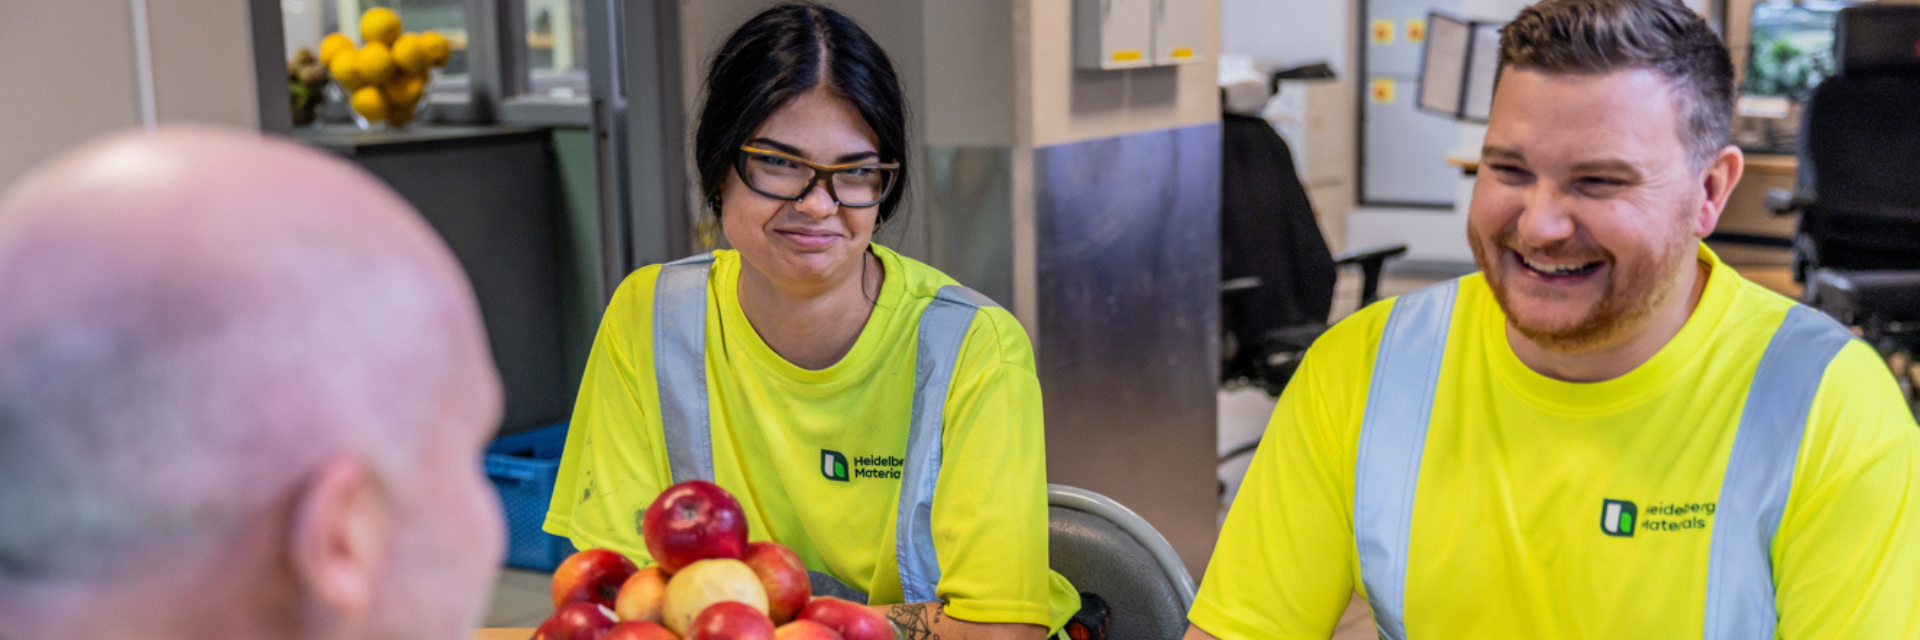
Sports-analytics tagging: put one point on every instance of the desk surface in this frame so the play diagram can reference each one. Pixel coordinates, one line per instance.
(1773, 165)
(504, 633)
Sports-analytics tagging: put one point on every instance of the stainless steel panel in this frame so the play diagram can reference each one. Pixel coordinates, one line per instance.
(969, 197)
(1128, 276)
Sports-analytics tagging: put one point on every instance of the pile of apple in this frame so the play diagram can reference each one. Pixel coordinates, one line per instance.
(708, 583)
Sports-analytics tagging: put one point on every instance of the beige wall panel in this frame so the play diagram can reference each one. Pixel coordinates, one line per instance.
(705, 25)
(1331, 202)
(1330, 132)
(969, 67)
(1069, 105)
(203, 62)
(68, 76)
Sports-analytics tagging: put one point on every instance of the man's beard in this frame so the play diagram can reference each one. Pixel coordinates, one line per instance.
(1633, 292)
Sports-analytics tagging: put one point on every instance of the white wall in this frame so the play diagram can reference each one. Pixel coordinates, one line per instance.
(1291, 32)
(56, 88)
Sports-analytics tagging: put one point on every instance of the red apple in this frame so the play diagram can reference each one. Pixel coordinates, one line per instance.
(783, 575)
(705, 583)
(577, 621)
(731, 621)
(851, 621)
(594, 575)
(643, 596)
(692, 521)
(639, 631)
(804, 630)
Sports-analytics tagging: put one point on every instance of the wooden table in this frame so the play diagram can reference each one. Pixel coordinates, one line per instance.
(503, 634)
(1775, 165)
(1466, 164)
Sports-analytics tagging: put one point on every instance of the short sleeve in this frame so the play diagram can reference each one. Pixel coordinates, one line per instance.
(1283, 567)
(1847, 556)
(990, 504)
(611, 468)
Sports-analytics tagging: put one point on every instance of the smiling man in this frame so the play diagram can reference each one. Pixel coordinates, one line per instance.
(1607, 432)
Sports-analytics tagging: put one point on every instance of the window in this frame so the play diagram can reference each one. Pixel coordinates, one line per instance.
(307, 21)
(532, 66)
(556, 42)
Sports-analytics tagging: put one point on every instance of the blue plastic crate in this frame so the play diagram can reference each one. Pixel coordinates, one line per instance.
(523, 467)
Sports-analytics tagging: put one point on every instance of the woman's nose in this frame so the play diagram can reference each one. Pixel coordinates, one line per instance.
(816, 202)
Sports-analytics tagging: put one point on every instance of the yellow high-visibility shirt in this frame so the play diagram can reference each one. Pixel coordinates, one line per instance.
(777, 429)
(1509, 537)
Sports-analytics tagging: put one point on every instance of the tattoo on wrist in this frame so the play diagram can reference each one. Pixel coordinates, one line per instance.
(915, 621)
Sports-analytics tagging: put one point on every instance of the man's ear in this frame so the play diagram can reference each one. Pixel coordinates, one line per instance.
(341, 530)
(1723, 172)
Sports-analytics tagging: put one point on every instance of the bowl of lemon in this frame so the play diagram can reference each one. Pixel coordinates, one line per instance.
(386, 78)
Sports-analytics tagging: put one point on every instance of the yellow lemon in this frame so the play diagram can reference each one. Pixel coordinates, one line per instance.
(436, 46)
(411, 55)
(345, 67)
(368, 103)
(404, 90)
(379, 24)
(335, 42)
(375, 63)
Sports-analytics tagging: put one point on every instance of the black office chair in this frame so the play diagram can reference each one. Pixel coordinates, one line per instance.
(1109, 552)
(1277, 273)
(1858, 187)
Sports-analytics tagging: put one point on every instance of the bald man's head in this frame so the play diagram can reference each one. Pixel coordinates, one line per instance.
(198, 328)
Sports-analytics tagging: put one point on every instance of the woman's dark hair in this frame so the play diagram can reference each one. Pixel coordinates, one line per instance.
(778, 55)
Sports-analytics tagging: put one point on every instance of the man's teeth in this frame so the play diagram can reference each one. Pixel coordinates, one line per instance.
(1557, 269)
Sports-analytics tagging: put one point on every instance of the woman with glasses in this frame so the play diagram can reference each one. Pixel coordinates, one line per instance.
(867, 411)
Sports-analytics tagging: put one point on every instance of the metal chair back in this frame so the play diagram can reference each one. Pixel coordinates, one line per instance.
(1106, 549)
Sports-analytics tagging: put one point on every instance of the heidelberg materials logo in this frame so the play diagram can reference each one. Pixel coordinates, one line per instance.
(1622, 518)
(833, 465)
(1617, 517)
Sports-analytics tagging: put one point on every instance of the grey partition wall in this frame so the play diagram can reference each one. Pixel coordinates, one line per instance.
(489, 192)
(1128, 229)
(969, 203)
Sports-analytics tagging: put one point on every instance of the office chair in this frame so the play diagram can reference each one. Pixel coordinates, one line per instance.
(1277, 273)
(1857, 191)
(1110, 552)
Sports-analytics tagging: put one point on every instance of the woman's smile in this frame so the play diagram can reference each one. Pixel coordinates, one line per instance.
(809, 238)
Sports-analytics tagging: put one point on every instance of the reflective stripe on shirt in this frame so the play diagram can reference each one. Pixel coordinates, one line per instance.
(680, 365)
(1393, 432)
(1740, 601)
